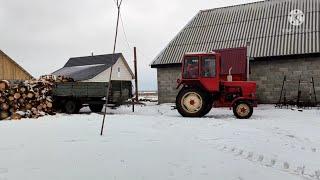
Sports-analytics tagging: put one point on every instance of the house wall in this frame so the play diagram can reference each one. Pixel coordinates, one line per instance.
(10, 70)
(124, 74)
(268, 74)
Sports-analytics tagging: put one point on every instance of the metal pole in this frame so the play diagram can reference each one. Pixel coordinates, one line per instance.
(109, 82)
(248, 61)
(136, 73)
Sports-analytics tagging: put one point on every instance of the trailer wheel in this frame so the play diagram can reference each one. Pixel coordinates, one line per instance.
(243, 110)
(96, 107)
(71, 107)
(191, 103)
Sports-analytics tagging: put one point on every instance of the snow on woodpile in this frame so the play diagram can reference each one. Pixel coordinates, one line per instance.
(27, 99)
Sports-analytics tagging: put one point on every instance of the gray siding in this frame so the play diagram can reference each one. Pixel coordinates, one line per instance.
(267, 73)
(264, 24)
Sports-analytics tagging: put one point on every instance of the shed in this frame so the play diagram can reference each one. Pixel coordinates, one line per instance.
(284, 39)
(10, 70)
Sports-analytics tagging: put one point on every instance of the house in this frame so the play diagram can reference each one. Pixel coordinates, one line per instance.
(284, 39)
(10, 70)
(97, 68)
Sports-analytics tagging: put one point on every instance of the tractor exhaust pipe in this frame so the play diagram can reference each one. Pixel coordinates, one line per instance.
(229, 77)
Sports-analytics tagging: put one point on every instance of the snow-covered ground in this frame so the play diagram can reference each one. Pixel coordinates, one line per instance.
(156, 143)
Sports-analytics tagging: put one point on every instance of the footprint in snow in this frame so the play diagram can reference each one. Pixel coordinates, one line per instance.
(286, 165)
(273, 162)
(74, 140)
(260, 158)
(3, 170)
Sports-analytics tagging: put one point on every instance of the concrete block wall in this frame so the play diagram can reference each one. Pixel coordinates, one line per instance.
(167, 83)
(268, 74)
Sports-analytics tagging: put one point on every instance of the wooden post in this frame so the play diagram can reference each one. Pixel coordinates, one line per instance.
(136, 73)
(109, 84)
(132, 101)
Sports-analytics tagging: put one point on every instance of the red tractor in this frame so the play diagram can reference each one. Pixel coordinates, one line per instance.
(205, 86)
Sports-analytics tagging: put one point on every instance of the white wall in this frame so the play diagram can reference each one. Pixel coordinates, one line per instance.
(123, 75)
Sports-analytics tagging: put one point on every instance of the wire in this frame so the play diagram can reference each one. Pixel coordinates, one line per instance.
(124, 32)
(127, 41)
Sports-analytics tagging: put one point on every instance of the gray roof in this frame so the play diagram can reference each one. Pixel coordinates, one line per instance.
(84, 68)
(264, 24)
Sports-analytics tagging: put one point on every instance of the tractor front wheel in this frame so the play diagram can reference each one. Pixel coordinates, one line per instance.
(191, 103)
(243, 110)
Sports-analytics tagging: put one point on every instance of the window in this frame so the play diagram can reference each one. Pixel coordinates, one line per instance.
(119, 75)
(208, 67)
(191, 67)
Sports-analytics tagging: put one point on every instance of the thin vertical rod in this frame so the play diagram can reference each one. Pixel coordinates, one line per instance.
(136, 73)
(111, 69)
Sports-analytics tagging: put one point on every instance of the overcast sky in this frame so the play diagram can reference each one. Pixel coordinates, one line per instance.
(41, 35)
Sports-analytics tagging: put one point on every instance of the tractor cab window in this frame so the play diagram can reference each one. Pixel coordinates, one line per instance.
(208, 67)
(191, 67)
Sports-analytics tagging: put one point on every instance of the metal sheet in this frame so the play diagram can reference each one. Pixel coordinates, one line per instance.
(264, 23)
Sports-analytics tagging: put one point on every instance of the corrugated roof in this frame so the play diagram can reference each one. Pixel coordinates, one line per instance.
(264, 24)
(80, 73)
(84, 68)
(106, 59)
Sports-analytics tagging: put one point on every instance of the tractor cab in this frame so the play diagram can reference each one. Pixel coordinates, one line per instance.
(202, 69)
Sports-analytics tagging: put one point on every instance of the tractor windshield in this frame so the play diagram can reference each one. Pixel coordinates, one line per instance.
(191, 68)
(208, 67)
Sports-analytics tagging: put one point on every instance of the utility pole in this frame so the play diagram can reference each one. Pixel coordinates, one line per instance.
(118, 3)
(136, 73)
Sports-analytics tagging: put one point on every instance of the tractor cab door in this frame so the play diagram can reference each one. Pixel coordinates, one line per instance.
(209, 72)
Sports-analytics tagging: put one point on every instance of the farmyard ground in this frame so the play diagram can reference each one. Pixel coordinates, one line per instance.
(156, 143)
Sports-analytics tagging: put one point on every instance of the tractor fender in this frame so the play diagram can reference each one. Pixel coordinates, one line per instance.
(242, 99)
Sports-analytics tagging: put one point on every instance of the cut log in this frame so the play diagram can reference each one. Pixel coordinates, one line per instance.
(16, 116)
(17, 95)
(4, 115)
(4, 85)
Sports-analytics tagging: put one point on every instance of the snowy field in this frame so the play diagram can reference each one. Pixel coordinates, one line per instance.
(155, 143)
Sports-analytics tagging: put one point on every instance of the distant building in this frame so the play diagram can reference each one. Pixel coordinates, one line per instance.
(10, 70)
(284, 38)
(97, 68)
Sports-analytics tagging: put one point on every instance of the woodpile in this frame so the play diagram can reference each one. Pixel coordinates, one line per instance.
(28, 99)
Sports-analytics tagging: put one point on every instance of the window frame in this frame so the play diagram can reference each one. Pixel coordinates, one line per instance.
(202, 66)
(186, 58)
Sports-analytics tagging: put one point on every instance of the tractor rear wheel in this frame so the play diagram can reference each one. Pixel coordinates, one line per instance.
(208, 108)
(243, 110)
(191, 102)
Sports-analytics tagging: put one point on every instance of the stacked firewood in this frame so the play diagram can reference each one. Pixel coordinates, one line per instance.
(28, 99)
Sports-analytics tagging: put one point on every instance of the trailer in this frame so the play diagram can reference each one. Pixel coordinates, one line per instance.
(70, 97)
